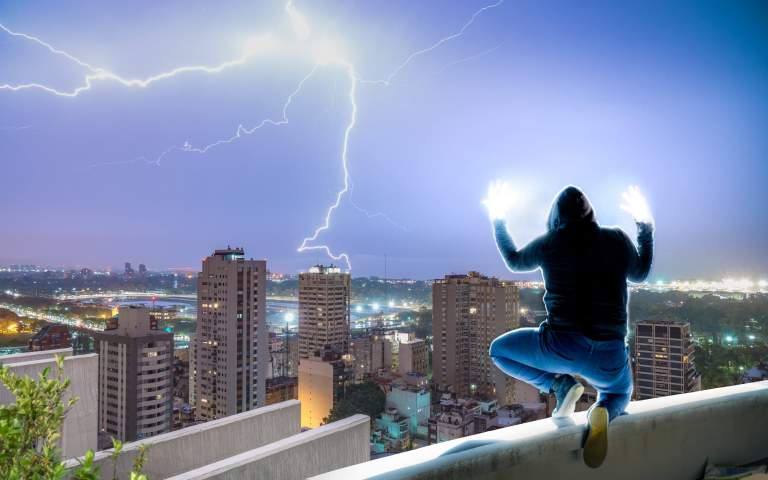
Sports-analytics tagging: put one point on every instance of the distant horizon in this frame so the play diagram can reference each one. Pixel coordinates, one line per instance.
(529, 276)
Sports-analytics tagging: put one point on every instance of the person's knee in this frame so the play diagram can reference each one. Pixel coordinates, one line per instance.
(495, 348)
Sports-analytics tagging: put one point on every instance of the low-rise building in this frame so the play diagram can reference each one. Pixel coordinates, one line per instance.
(51, 337)
(413, 356)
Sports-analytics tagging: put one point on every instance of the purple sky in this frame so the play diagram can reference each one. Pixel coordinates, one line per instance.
(670, 96)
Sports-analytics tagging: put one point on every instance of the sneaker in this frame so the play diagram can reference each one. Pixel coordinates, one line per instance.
(567, 391)
(596, 445)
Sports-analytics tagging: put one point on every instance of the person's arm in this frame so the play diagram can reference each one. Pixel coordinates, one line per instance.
(526, 259)
(640, 258)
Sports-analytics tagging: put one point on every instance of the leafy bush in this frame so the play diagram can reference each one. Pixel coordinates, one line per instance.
(30, 430)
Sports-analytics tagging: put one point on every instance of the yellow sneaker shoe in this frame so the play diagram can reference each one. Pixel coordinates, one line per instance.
(596, 444)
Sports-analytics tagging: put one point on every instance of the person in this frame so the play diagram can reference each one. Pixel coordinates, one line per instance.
(585, 268)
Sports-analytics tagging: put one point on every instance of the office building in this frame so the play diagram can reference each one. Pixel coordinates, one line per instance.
(232, 341)
(323, 310)
(664, 356)
(469, 312)
(135, 377)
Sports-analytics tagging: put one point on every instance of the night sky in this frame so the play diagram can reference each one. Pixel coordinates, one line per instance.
(671, 96)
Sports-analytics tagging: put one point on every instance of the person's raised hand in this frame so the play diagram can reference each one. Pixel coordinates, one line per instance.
(499, 200)
(636, 204)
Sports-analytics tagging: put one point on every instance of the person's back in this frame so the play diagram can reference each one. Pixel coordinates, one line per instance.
(585, 269)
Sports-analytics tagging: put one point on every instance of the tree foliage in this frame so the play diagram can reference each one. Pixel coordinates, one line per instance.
(365, 398)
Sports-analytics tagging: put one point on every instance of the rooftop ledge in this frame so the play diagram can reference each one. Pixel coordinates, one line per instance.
(663, 438)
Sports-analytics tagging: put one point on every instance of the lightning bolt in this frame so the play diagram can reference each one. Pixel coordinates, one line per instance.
(302, 31)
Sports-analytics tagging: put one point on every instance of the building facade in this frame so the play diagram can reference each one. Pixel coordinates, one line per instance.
(369, 355)
(413, 357)
(469, 312)
(323, 310)
(232, 342)
(135, 377)
(664, 359)
(323, 379)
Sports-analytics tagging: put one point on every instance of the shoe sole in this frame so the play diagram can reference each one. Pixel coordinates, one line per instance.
(596, 445)
(569, 403)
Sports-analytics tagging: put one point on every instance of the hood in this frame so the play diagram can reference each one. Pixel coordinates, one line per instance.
(570, 207)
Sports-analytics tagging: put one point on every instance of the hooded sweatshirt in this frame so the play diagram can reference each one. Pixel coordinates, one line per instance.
(585, 267)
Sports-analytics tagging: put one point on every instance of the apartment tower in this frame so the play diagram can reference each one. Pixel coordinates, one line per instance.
(469, 312)
(232, 342)
(323, 311)
(664, 356)
(135, 377)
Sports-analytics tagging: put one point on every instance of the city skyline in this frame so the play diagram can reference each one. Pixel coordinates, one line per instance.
(654, 95)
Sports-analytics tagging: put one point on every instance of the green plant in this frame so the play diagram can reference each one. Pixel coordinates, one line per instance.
(30, 429)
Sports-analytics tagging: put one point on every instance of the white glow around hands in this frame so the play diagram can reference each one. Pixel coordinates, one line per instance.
(636, 204)
(500, 199)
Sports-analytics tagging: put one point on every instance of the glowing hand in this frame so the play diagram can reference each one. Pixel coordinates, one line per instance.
(636, 205)
(499, 200)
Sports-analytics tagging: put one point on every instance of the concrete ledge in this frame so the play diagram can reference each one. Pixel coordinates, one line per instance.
(192, 447)
(663, 438)
(326, 448)
(31, 356)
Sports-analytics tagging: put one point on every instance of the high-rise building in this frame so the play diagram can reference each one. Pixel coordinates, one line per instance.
(193, 370)
(232, 342)
(128, 270)
(135, 377)
(413, 357)
(142, 270)
(469, 312)
(323, 310)
(664, 356)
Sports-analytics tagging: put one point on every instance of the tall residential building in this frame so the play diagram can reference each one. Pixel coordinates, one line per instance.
(413, 357)
(664, 354)
(135, 377)
(232, 342)
(323, 310)
(469, 312)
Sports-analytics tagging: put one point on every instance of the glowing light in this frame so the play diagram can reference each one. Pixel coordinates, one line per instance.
(375, 306)
(359, 308)
(751, 337)
(289, 316)
(636, 204)
(729, 338)
(324, 52)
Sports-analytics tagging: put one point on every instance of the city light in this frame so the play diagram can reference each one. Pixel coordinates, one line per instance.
(289, 316)
(751, 337)
(375, 307)
(729, 338)
(359, 308)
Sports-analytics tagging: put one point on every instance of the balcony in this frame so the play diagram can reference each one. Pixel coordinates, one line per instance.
(663, 438)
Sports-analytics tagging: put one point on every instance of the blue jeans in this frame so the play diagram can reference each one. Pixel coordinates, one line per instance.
(536, 355)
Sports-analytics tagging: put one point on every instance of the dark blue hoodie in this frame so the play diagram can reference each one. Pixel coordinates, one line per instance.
(585, 267)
